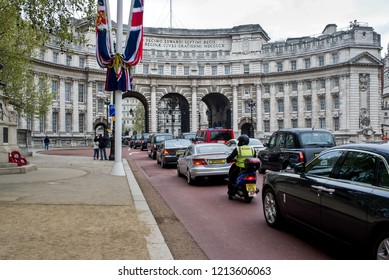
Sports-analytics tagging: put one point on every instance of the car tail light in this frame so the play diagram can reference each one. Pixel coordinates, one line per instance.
(199, 161)
(301, 157)
(250, 178)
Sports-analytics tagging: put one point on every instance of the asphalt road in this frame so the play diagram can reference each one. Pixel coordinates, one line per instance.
(221, 228)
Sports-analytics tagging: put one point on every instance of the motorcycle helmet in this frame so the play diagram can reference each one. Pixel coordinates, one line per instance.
(243, 140)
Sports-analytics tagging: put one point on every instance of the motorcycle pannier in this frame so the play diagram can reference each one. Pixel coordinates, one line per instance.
(252, 163)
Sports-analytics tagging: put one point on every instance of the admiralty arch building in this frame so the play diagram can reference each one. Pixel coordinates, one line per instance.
(232, 78)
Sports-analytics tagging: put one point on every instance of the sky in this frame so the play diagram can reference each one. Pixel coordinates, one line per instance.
(280, 19)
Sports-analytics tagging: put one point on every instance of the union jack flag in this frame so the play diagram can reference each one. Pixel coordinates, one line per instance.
(119, 65)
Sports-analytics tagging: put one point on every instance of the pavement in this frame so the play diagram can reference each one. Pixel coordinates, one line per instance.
(72, 208)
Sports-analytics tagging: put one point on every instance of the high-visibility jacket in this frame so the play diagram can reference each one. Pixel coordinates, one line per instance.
(244, 152)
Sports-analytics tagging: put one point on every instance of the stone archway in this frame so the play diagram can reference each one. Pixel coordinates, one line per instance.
(218, 110)
(143, 100)
(173, 114)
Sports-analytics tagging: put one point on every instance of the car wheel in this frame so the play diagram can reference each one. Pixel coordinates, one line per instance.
(381, 248)
(189, 178)
(270, 209)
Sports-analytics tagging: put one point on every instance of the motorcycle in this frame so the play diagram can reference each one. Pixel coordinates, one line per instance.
(246, 182)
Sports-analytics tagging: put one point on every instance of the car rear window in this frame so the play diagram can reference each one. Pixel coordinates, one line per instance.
(160, 138)
(212, 149)
(178, 143)
(220, 135)
(313, 138)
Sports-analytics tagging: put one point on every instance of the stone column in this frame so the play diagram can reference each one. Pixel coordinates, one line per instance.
(153, 108)
(273, 109)
(258, 108)
(287, 106)
(89, 108)
(315, 105)
(195, 124)
(62, 113)
(235, 108)
(75, 124)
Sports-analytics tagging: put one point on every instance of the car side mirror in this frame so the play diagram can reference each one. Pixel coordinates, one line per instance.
(299, 168)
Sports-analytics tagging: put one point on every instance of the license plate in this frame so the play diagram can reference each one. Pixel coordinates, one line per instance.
(179, 152)
(217, 161)
(251, 187)
(315, 155)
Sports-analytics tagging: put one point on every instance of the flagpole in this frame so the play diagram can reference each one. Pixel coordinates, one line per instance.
(118, 169)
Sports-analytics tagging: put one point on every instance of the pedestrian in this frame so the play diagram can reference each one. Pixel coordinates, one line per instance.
(46, 141)
(96, 148)
(102, 146)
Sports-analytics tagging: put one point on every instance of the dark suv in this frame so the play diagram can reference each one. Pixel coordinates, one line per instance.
(287, 147)
(155, 140)
(143, 141)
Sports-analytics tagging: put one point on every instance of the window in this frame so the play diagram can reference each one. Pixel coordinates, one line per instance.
(358, 167)
(280, 104)
(280, 88)
(266, 126)
(294, 105)
(42, 124)
(279, 67)
(186, 70)
(214, 70)
(54, 89)
(160, 69)
(81, 93)
(322, 123)
(383, 175)
(321, 61)
(68, 60)
(266, 88)
(265, 68)
(246, 69)
(308, 85)
(55, 57)
(335, 100)
(145, 69)
(322, 101)
(100, 87)
(323, 165)
(173, 70)
(335, 58)
(227, 69)
(336, 124)
(308, 104)
(201, 70)
(294, 86)
(68, 123)
(100, 106)
(294, 123)
(307, 62)
(280, 124)
(68, 91)
(81, 123)
(335, 82)
(293, 65)
(308, 123)
(322, 84)
(82, 62)
(266, 106)
(54, 122)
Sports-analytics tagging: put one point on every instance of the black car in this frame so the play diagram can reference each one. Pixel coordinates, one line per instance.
(187, 135)
(287, 147)
(344, 193)
(155, 140)
(169, 151)
(135, 141)
(143, 141)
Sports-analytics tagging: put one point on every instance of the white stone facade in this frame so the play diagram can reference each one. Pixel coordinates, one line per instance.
(332, 81)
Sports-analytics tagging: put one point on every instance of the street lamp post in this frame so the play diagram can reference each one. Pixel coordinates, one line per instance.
(106, 102)
(252, 106)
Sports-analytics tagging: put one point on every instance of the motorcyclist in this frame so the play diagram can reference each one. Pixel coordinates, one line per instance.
(239, 154)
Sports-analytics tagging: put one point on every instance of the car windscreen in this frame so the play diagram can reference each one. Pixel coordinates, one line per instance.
(255, 142)
(316, 138)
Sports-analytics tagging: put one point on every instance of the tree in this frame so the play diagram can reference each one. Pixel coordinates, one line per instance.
(25, 27)
(139, 118)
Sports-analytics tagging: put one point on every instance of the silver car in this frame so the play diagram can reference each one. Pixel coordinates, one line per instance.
(203, 160)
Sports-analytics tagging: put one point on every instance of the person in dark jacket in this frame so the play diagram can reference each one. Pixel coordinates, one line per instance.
(46, 141)
(102, 147)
